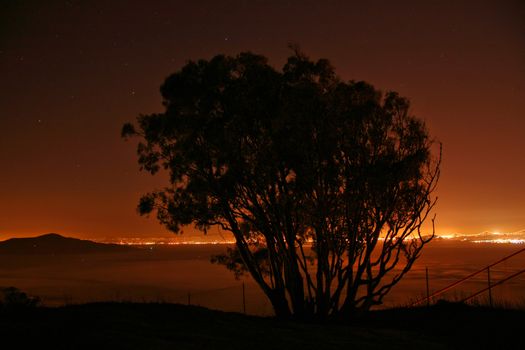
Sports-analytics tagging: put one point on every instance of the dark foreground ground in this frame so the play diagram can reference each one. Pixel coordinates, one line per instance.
(171, 326)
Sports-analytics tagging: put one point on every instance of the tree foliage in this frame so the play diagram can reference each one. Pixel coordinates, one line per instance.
(14, 298)
(324, 184)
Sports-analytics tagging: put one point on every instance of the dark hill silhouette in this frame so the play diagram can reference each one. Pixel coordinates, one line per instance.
(53, 243)
(171, 326)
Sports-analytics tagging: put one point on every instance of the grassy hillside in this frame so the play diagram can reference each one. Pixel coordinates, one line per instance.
(171, 326)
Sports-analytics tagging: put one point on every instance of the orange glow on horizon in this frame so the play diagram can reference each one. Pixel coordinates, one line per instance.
(69, 83)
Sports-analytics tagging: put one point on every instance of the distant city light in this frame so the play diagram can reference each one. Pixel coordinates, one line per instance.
(497, 237)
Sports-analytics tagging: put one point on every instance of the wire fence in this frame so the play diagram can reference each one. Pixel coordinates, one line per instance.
(480, 286)
(243, 297)
(504, 287)
(498, 284)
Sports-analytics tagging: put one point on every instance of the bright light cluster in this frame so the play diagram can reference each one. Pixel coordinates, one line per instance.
(517, 237)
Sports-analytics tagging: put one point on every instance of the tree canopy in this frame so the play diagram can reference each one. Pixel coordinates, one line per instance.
(324, 184)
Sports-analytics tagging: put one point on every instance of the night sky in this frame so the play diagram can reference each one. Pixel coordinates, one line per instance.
(72, 72)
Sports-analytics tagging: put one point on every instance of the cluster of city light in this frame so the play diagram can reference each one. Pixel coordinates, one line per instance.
(151, 242)
(506, 241)
(517, 237)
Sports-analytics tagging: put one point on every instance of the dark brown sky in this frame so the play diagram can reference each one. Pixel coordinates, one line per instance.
(72, 72)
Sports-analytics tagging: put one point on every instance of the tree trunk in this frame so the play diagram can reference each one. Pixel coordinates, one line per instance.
(280, 304)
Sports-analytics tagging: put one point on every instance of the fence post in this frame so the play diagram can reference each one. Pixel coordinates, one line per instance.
(428, 289)
(490, 287)
(243, 299)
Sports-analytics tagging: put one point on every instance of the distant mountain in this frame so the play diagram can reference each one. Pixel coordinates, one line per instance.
(53, 243)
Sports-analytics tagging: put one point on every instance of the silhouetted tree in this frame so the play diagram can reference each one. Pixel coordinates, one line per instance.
(14, 298)
(324, 184)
